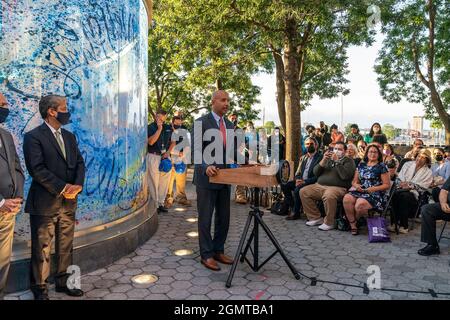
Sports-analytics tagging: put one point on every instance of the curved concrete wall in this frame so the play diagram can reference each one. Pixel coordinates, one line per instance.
(94, 52)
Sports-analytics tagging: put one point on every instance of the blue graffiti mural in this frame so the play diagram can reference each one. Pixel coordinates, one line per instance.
(94, 52)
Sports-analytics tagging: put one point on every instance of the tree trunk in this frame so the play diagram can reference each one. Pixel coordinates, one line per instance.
(441, 110)
(279, 65)
(292, 87)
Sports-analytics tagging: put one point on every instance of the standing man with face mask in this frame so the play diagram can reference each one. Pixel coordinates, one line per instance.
(57, 168)
(11, 193)
(334, 174)
(178, 178)
(159, 148)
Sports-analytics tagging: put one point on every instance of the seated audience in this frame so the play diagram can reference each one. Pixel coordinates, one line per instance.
(430, 213)
(303, 177)
(414, 177)
(334, 176)
(362, 145)
(418, 144)
(391, 160)
(354, 136)
(336, 135)
(441, 172)
(375, 130)
(369, 186)
(352, 153)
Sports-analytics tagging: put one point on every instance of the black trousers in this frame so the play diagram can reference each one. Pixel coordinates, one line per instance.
(405, 205)
(60, 226)
(292, 196)
(208, 202)
(435, 194)
(430, 213)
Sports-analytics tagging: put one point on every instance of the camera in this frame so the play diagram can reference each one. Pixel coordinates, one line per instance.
(391, 164)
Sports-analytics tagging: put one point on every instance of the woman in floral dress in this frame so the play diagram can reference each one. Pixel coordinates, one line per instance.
(369, 187)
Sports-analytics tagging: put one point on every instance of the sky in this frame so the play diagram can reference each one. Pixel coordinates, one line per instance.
(364, 105)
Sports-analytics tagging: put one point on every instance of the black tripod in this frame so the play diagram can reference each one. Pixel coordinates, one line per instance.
(256, 214)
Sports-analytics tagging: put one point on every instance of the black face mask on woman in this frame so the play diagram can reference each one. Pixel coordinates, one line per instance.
(439, 157)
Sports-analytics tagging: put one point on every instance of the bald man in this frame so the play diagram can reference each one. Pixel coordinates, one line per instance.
(213, 198)
(11, 193)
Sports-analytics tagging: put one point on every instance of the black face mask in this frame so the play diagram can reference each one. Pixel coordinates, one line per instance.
(4, 113)
(439, 158)
(63, 118)
(311, 149)
(176, 127)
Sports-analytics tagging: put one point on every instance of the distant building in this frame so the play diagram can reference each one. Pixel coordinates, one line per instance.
(417, 125)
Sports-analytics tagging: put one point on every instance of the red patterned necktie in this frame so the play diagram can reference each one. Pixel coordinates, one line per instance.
(223, 130)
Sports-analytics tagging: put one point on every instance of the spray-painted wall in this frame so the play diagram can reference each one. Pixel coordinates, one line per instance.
(94, 52)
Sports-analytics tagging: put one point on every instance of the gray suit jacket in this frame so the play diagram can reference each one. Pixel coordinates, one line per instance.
(200, 179)
(11, 173)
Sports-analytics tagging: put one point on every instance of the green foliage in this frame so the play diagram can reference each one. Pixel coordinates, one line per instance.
(192, 52)
(390, 131)
(269, 126)
(408, 29)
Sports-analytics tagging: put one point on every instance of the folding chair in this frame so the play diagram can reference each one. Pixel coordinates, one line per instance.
(442, 231)
(424, 198)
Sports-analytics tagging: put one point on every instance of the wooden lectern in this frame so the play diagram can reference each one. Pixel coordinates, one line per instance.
(256, 176)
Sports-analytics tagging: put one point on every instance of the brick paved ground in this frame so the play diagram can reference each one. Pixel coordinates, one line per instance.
(333, 256)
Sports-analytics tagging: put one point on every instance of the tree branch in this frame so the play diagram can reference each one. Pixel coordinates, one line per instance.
(254, 22)
(431, 30)
(416, 62)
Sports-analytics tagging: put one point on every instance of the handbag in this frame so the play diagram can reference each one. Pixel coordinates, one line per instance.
(342, 224)
(377, 228)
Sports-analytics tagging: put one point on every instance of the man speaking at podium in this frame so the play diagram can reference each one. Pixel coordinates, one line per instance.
(212, 197)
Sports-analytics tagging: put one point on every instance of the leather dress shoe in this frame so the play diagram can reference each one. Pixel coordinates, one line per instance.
(220, 257)
(70, 292)
(40, 296)
(211, 264)
(162, 209)
(293, 216)
(429, 250)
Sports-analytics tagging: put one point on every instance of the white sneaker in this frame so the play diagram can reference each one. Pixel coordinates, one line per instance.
(313, 223)
(325, 227)
(391, 228)
(403, 230)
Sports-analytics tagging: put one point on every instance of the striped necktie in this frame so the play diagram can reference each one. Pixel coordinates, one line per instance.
(60, 143)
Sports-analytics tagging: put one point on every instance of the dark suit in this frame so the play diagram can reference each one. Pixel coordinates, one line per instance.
(211, 197)
(50, 213)
(290, 187)
(11, 186)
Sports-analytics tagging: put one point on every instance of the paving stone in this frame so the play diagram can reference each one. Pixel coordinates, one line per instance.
(116, 296)
(313, 253)
(177, 294)
(121, 288)
(104, 284)
(137, 293)
(339, 295)
(97, 293)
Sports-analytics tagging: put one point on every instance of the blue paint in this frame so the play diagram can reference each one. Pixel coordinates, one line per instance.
(94, 52)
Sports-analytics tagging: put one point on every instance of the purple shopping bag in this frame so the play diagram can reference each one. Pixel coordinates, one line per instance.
(378, 230)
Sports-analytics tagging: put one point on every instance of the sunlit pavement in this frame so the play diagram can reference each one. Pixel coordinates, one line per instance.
(331, 256)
